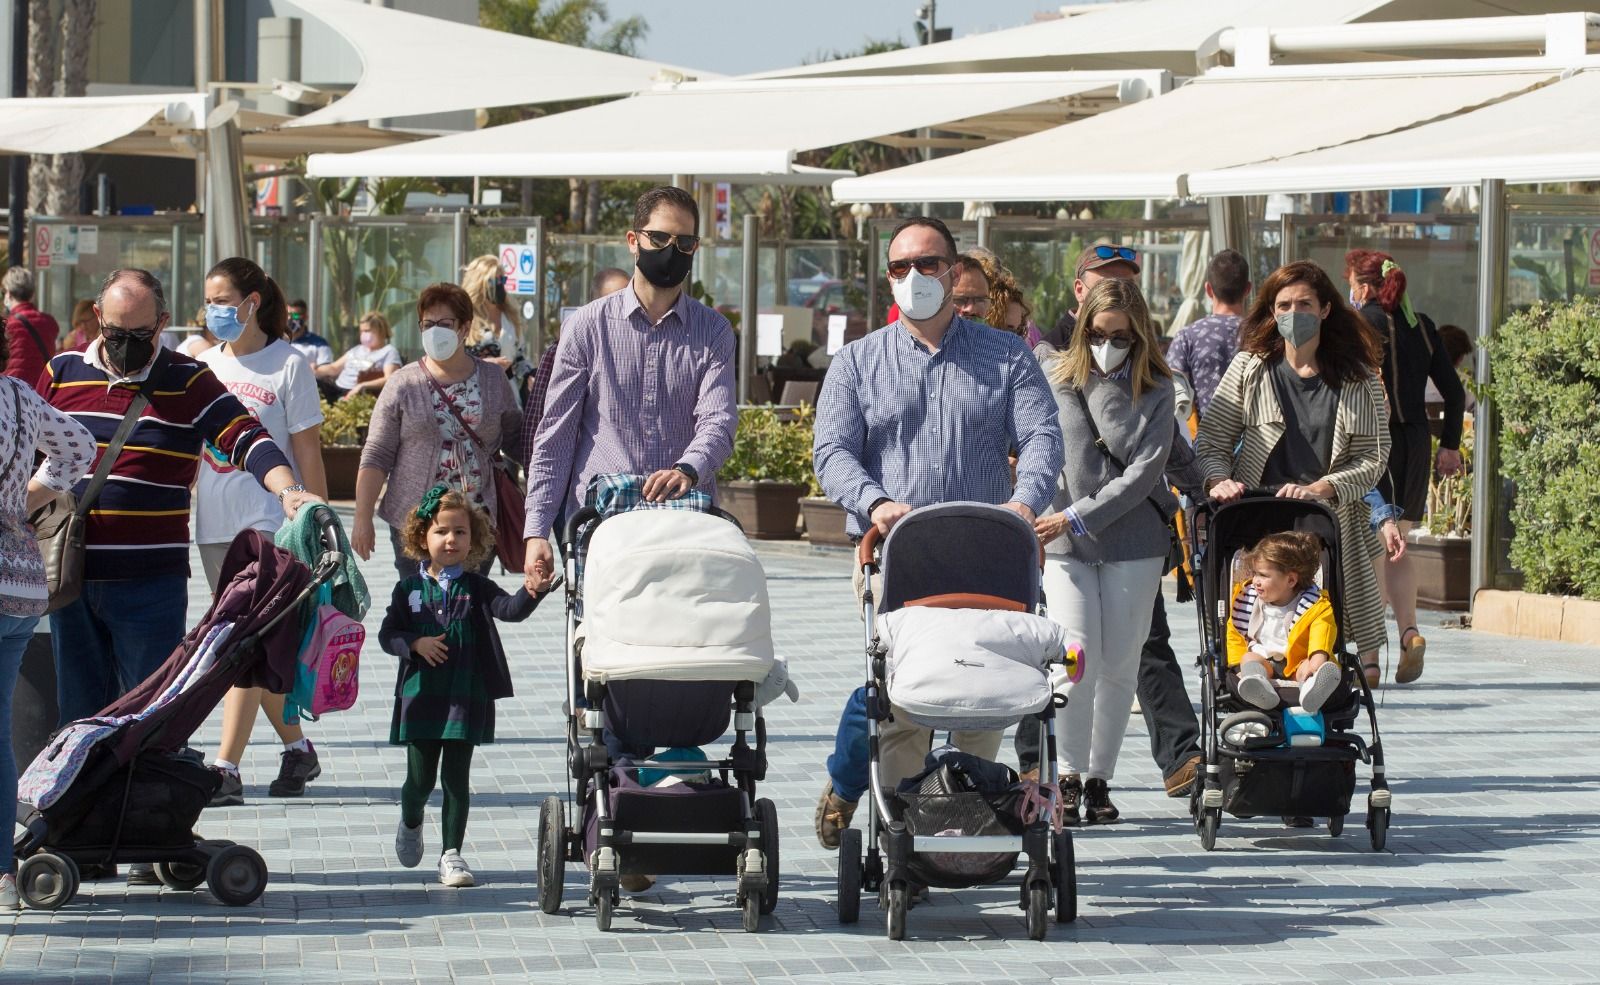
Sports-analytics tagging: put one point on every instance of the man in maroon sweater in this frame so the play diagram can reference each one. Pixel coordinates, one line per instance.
(30, 333)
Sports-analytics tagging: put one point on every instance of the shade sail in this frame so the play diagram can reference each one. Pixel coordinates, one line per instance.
(414, 65)
(1549, 134)
(734, 128)
(66, 125)
(1147, 150)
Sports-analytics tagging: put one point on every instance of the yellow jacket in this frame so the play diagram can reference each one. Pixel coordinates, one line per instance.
(1314, 630)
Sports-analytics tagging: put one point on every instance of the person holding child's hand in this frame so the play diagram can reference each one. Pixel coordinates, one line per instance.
(1282, 624)
(440, 624)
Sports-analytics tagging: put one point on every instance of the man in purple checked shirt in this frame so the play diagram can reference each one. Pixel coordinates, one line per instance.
(642, 384)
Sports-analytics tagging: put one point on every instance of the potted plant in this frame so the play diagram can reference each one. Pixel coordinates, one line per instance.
(824, 519)
(1441, 549)
(769, 470)
(344, 431)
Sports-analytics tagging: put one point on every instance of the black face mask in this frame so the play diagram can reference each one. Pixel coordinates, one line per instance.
(497, 292)
(665, 267)
(128, 353)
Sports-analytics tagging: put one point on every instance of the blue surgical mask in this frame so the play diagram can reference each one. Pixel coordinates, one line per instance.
(222, 320)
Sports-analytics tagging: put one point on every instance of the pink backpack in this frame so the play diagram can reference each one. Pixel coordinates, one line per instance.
(333, 657)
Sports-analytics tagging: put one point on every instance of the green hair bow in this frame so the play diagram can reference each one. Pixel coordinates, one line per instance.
(430, 501)
(1405, 297)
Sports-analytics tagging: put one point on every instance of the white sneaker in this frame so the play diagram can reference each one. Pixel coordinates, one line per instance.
(1319, 687)
(408, 845)
(1257, 689)
(453, 872)
(9, 900)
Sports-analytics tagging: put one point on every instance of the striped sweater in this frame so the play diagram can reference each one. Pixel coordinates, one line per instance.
(139, 526)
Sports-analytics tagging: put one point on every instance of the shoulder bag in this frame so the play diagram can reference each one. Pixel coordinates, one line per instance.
(508, 495)
(59, 524)
(1176, 556)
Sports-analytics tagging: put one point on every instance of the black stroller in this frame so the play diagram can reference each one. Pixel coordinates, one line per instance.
(1251, 769)
(977, 559)
(668, 634)
(116, 788)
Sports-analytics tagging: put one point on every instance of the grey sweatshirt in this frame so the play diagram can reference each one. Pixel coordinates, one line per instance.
(1115, 506)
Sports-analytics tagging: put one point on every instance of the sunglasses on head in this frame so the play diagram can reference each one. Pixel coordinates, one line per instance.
(928, 266)
(659, 240)
(1115, 253)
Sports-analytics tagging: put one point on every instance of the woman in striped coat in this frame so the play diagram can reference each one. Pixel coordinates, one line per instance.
(1301, 407)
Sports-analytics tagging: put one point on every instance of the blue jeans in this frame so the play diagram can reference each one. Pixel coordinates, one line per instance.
(15, 632)
(113, 637)
(848, 766)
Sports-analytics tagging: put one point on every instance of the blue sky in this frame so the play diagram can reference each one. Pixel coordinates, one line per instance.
(737, 36)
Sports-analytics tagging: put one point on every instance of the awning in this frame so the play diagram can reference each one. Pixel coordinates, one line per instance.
(413, 65)
(66, 125)
(736, 128)
(1549, 134)
(1225, 119)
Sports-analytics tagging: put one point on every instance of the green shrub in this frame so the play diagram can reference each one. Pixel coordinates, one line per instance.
(768, 448)
(345, 422)
(1546, 390)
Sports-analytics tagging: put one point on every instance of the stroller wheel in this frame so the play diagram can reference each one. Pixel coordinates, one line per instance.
(237, 875)
(180, 875)
(602, 909)
(899, 899)
(45, 881)
(767, 821)
(1038, 909)
(552, 854)
(1065, 874)
(1336, 826)
(1378, 826)
(1210, 820)
(752, 912)
(849, 875)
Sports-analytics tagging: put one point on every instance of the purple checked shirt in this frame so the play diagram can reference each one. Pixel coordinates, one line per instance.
(628, 396)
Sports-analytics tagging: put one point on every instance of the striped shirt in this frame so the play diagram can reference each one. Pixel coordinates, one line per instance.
(895, 421)
(632, 397)
(139, 526)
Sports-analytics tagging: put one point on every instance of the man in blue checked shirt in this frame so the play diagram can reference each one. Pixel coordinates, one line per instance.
(925, 411)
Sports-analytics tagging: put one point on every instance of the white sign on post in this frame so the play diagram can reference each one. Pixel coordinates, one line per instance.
(836, 324)
(57, 246)
(88, 240)
(769, 335)
(519, 262)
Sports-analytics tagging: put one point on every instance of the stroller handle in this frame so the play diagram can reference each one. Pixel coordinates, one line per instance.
(870, 540)
(1250, 492)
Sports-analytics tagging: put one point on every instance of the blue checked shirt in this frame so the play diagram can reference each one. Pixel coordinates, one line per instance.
(899, 422)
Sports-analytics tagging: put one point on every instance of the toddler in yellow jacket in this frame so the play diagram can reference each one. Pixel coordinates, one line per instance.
(1282, 624)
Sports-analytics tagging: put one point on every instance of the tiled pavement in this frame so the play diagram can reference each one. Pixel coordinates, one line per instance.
(1491, 875)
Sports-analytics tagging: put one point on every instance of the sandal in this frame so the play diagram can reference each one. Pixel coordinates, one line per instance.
(1411, 654)
(1373, 673)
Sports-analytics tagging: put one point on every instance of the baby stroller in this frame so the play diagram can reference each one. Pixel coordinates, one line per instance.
(668, 634)
(968, 573)
(116, 788)
(1253, 766)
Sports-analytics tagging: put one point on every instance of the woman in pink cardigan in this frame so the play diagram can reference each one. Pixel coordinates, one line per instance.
(438, 420)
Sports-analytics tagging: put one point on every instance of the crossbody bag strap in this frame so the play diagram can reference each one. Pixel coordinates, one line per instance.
(141, 400)
(1105, 450)
(450, 405)
(37, 339)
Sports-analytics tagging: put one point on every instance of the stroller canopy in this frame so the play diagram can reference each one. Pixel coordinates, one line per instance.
(674, 595)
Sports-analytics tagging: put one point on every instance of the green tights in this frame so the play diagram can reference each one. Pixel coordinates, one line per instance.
(423, 761)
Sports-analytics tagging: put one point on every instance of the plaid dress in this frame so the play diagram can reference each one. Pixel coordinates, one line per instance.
(450, 701)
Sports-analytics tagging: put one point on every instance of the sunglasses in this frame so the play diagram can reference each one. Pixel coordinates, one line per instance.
(974, 301)
(1115, 253)
(1117, 341)
(928, 266)
(118, 333)
(658, 240)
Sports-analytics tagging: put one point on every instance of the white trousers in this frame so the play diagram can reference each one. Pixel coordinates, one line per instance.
(1105, 608)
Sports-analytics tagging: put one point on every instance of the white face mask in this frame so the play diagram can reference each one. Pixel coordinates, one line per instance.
(919, 296)
(440, 343)
(1108, 357)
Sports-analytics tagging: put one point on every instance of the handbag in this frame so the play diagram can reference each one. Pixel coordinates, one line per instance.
(1175, 552)
(509, 497)
(59, 524)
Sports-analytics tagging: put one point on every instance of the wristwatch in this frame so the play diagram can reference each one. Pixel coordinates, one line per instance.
(689, 470)
(297, 487)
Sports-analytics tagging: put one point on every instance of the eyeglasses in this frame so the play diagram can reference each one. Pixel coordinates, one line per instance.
(449, 323)
(974, 302)
(1116, 253)
(1117, 341)
(118, 333)
(928, 266)
(658, 240)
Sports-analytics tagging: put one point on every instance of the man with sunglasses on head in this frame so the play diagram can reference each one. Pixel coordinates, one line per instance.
(925, 411)
(642, 384)
(1098, 262)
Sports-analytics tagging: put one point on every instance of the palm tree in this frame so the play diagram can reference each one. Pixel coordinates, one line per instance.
(58, 65)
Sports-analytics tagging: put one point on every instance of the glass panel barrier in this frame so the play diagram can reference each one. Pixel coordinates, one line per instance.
(1439, 254)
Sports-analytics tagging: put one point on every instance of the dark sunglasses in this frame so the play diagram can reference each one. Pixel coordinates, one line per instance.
(1117, 341)
(928, 266)
(659, 240)
(119, 333)
(1116, 253)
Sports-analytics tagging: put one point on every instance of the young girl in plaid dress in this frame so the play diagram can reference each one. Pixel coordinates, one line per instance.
(440, 624)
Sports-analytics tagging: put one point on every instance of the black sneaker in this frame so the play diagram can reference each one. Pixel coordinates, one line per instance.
(142, 874)
(231, 793)
(1097, 805)
(294, 772)
(1071, 794)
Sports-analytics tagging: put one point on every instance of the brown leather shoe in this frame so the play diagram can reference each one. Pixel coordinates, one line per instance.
(1071, 795)
(1097, 805)
(1180, 783)
(833, 816)
(636, 883)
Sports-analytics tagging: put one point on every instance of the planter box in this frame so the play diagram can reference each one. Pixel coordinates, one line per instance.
(766, 510)
(1537, 617)
(341, 462)
(1443, 567)
(824, 521)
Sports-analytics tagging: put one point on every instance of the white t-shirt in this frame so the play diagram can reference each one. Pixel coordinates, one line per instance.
(360, 359)
(1270, 625)
(277, 386)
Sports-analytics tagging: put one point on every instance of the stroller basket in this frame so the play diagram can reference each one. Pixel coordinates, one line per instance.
(1317, 781)
(965, 813)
